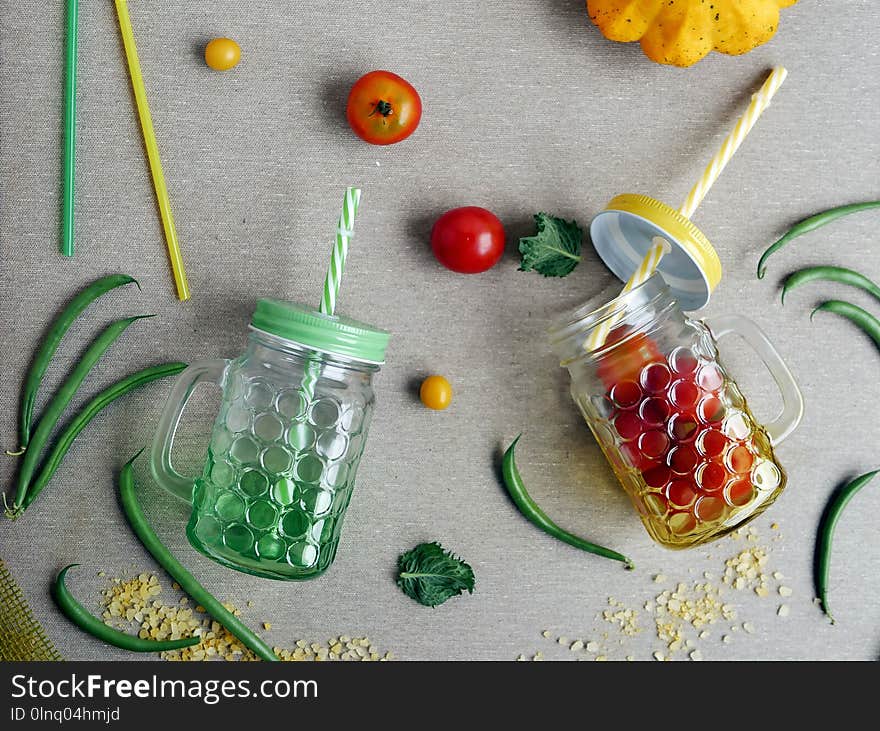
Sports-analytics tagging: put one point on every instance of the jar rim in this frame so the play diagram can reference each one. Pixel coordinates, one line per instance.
(315, 330)
(272, 340)
(588, 317)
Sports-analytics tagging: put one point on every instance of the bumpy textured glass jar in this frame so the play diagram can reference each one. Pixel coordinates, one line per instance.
(669, 418)
(286, 443)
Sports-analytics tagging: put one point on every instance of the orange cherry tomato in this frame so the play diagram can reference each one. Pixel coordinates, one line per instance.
(383, 108)
(624, 362)
(436, 393)
(222, 54)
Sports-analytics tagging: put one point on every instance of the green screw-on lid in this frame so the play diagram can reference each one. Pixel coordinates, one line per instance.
(326, 333)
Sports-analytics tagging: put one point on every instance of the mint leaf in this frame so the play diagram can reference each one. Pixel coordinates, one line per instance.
(431, 575)
(554, 250)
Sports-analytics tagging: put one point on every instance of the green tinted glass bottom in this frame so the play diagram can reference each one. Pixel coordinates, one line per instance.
(278, 479)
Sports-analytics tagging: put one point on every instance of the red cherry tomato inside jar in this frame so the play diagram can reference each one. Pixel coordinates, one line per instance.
(383, 108)
(468, 240)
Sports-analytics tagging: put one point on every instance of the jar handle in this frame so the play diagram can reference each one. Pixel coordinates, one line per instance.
(792, 400)
(211, 371)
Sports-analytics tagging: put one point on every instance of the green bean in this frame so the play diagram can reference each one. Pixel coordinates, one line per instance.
(80, 616)
(865, 320)
(103, 399)
(811, 224)
(826, 533)
(61, 399)
(175, 569)
(831, 274)
(530, 510)
(50, 344)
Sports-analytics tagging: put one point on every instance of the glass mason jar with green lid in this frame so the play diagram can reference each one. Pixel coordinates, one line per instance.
(285, 445)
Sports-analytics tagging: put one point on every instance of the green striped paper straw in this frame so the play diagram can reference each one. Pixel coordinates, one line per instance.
(333, 280)
(69, 130)
(344, 232)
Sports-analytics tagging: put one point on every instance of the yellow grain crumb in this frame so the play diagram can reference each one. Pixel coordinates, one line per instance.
(135, 601)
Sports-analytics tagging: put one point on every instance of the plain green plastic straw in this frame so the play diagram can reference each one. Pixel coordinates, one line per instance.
(69, 130)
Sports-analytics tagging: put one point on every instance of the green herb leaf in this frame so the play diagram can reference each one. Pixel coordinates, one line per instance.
(431, 575)
(555, 250)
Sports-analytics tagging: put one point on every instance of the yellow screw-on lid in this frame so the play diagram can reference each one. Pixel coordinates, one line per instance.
(625, 230)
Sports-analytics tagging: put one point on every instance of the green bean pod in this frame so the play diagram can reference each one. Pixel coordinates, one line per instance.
(818, 220)
(61, 399)
(80, 616)
(50, 343)
(532, 512)
(865, 320)
(102, 400)
(175, 569)
(826, 534)
(830, 274)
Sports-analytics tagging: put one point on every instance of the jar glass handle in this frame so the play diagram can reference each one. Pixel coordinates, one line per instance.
(792, 400)
(211, 371)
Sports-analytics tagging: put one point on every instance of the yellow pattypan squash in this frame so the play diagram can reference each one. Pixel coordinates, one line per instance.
(681, 32)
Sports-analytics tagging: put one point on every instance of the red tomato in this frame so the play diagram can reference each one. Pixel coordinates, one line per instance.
(468, 240)
(383, 108)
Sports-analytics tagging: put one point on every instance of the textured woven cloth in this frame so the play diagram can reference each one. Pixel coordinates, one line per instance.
(527, 108)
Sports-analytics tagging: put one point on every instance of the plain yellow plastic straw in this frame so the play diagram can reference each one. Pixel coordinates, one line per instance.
(140, 95)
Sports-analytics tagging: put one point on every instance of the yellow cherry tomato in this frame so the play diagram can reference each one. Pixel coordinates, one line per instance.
(222, 54)
(436, 392)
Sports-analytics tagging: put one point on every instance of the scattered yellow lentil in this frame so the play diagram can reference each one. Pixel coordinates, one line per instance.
(136, 600)
(681, 614)
(626, 620)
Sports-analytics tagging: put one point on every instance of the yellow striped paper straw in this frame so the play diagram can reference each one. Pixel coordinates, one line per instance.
(760, 101)
(143, 109)
(659, 247)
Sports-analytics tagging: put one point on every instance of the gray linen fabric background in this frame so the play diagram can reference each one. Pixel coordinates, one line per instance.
(527, 108)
